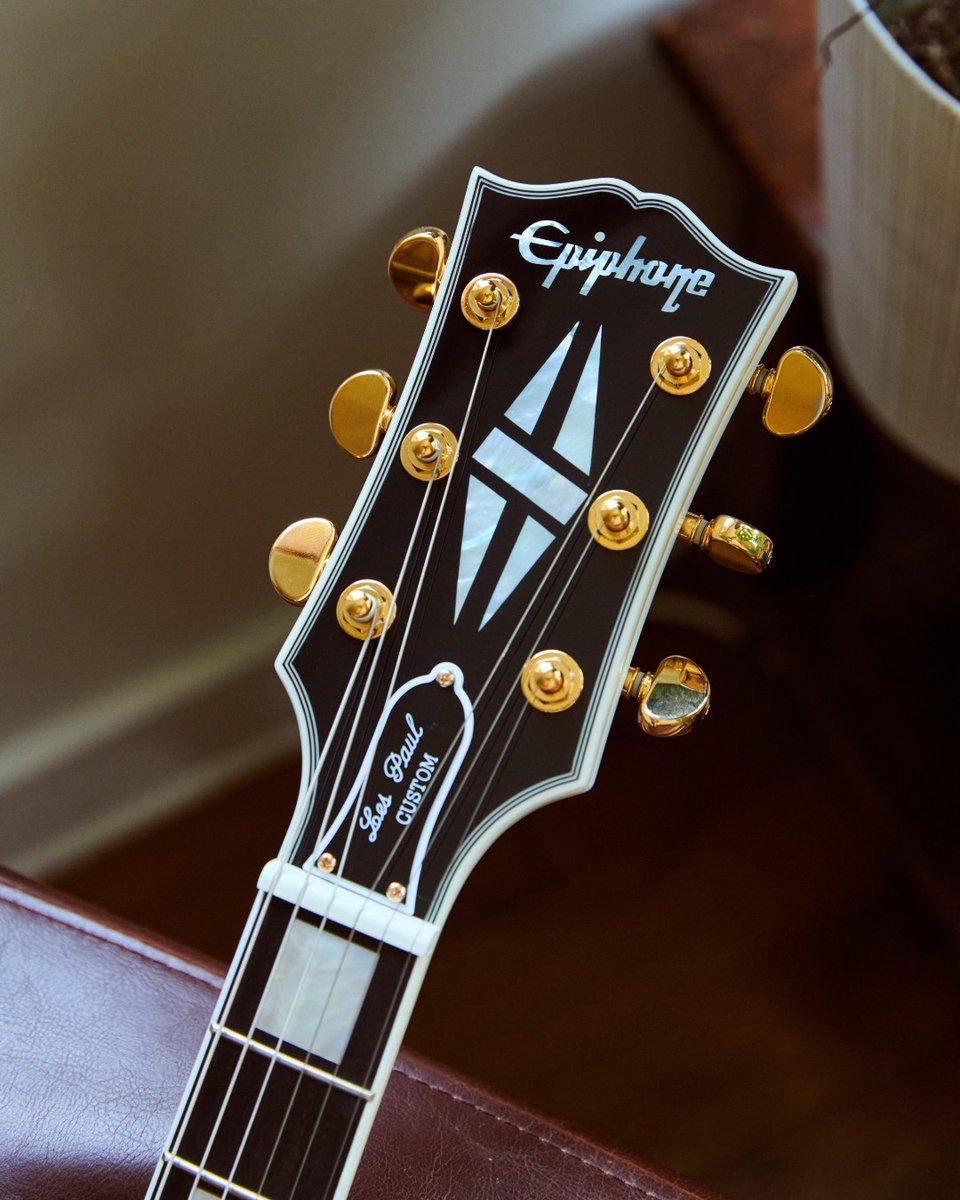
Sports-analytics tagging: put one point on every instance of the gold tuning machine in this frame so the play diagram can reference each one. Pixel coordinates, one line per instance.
(729, 541)
(298, 556)
(416, 264)
(796, 393)
(360, 411)
(671, 699)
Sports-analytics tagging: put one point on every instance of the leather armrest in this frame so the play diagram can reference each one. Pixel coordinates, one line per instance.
(99, 1025)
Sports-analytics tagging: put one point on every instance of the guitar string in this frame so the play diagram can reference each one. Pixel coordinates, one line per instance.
(269, 893)
(563, 548)
(408, 624)
(450, 803)
(407, 630)
(508, 742)
(337, 881)
(298, 903)
(229, 995)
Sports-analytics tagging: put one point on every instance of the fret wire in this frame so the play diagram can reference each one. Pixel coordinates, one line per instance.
(344, 1113)
(241, 1039)
(206, 1176)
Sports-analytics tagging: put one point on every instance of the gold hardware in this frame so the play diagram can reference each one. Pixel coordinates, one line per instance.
(396, 892)
(729, 541)
(551, 680)
(326, 862)
(428, 451)
(797, 392)
(680, 365)
(360, 411)
(618, 520)
(365, 609)
(416, 264)
(298, 556)
(671, 699)
(446, 678)
(490, 300)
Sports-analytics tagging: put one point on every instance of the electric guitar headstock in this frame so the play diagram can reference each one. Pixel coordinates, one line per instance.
(465, 639)
(585, 348)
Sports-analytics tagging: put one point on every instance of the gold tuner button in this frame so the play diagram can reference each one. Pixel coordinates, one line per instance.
(360, 411)
(671, 699)
(416, 264)
(796, 393)
(729, 541)
(298, 556)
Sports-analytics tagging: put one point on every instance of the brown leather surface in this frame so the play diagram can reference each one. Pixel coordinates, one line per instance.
(99, 1024)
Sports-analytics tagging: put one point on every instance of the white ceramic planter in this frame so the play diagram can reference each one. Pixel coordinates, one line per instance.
(890, 142)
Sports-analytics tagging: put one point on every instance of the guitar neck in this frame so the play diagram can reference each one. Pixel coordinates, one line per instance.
(300, 1046)
(460, 656)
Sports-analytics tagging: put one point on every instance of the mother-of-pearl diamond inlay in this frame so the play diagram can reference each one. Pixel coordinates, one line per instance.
(514, 465)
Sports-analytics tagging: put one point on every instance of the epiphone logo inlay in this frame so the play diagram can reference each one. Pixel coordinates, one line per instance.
(600, 264)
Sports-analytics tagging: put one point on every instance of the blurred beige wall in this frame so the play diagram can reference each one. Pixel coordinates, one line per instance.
(198, 200)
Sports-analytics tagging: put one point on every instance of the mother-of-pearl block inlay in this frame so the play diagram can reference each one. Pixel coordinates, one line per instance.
(315, 990)
(515, 465)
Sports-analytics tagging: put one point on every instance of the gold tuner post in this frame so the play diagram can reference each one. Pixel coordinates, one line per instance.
(416, 264)
(366, 609)
(796, 393)
(490, 301)
(298, 556)
(618, 520)
(680, 366)
(551, 681)
(670, 700)
(428, 451)
(360, 411)
(729, 541)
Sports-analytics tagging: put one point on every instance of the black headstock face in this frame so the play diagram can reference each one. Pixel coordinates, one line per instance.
(420, 745)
